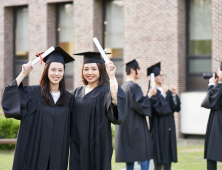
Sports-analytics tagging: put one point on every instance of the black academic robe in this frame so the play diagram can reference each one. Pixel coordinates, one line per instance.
(43, 138)
(91, 135)
(213, 138)
(162, 127)
(132, 138)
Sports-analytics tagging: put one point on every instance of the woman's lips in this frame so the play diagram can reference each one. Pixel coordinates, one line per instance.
(55, 79)
(90, 78)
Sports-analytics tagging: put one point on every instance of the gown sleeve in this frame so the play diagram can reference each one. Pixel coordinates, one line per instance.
(177, 108)
(138, 102)
(72, 109)
(116, 113)
(175, 105)
(160, 105)
(114, 89)
(15, 101)
(213, 99)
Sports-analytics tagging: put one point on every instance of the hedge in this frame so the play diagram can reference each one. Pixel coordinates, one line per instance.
(8, 129)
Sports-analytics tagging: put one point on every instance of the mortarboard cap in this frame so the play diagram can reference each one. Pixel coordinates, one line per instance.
(58, 55)
(91, 57)
(132, 64)
(154, 69)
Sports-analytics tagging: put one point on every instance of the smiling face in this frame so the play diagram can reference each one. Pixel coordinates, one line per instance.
(91, 73)
(56, 72)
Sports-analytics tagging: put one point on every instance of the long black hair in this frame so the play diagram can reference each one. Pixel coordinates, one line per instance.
(45, 88)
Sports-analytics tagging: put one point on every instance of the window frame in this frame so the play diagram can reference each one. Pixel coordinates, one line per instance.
(57, 19)
(15, 61)
(57, 32)
(190, 57)
(103, 39)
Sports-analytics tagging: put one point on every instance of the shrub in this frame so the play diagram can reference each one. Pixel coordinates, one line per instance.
(8, 129)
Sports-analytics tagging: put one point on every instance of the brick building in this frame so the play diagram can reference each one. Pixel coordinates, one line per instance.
(185, 35)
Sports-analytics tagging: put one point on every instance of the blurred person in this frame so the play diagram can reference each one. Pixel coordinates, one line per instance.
(44, 111)
(162, 124)
(213, 137)
(132, 138)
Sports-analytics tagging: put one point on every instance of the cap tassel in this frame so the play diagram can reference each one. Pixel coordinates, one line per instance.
(40, 56)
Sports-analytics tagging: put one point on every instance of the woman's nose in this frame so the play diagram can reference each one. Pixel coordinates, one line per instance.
(57, 72)
(90, 71)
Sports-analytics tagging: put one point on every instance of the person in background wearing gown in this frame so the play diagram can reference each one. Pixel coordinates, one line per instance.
(132, 138)
(95, 107)
(162, 124)
(213, 137)
(44, 111)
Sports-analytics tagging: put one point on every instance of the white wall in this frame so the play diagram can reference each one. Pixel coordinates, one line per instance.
(193, 117)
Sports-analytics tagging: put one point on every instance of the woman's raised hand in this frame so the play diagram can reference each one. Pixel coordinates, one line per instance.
(27, 68)
(111, 69)
(152, 92)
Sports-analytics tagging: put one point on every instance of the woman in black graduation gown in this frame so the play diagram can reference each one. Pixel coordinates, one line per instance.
(44, 111)
(132, 138)
(162, 124)
(95, 107)
(213, 137)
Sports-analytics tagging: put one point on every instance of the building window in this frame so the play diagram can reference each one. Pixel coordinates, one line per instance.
(20, 40)
(65, 35)
(199, 39)
(113, 33)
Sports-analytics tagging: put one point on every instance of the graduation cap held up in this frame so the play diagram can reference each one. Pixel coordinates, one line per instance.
(57, 55)
(132, 64)
(91, 57)
(154, 69)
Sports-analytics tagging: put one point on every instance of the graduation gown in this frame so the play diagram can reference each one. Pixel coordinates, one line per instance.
(213, 137)
(162, 127)
(91, 135)
(43, 138)
(132, 138)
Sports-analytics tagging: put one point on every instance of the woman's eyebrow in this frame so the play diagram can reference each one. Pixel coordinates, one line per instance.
(56, 68)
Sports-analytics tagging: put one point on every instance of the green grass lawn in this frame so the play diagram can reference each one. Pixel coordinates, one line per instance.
(117, 166)
(6, 159)
(189, 158)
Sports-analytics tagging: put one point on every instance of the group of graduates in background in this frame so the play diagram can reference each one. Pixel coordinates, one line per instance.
(133, 139)
(53, 120)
